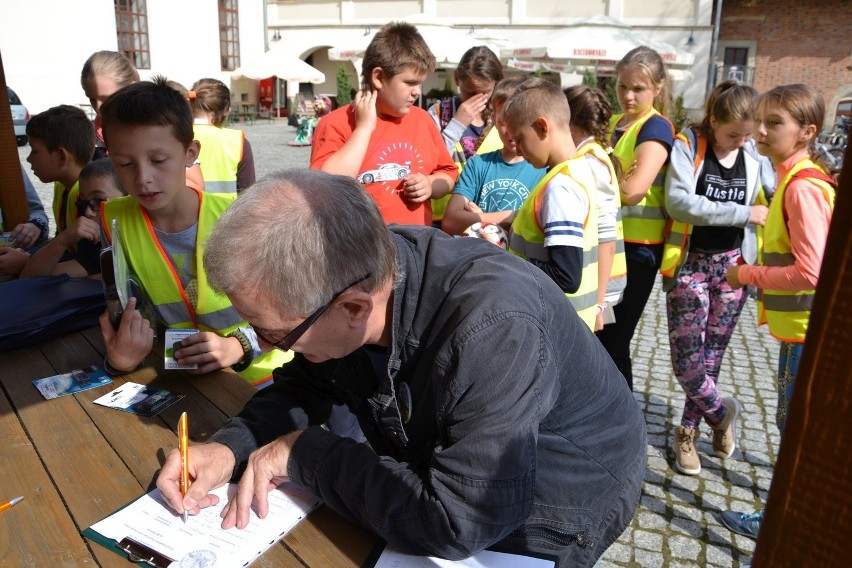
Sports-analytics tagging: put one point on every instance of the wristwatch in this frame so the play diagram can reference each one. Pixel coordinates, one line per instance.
(248, 351)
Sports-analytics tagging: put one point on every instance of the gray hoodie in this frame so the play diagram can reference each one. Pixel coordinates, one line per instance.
(684, 205)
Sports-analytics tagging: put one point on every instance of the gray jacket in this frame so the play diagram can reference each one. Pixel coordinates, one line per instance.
(522, 434)
(684, 205)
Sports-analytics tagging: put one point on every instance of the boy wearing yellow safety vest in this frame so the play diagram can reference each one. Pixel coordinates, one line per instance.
(789, 119)
(148, 131)
(556, 228)
(62, 141)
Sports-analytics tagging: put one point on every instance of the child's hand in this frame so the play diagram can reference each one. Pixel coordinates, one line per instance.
(472, 108)
(81, 228)
(209, 351)
(733, 277)
(627, 173)
(25, 235)
(472, 207)
(365, 109)
(417, 187)
(131, 343)
(758, 215)
(12, 261)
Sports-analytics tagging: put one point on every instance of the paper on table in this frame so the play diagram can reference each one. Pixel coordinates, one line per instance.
(202, 541)
(391, 558)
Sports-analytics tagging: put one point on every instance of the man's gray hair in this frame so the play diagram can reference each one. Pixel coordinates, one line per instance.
(296, 238)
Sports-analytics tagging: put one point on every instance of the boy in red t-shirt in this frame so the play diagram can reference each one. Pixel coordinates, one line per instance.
(383, 139)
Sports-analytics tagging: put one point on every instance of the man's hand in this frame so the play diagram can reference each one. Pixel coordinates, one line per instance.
(472, 108)
(12, 261)
(266, 470)
(733, 277)
(131, 343)
(417, 187)
(81, 228)
(209, 351)
(758, 215)
(210, 466)
(365, 109)
(25, 235)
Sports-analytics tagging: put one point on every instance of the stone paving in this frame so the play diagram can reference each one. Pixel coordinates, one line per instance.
(677, 524)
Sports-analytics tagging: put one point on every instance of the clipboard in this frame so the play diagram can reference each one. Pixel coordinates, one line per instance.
(127, 531)
(112, 545)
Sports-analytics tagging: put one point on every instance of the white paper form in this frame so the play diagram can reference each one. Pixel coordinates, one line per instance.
(201, 542)
(391, 558)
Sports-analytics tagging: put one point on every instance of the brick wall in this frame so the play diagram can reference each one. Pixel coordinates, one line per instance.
(798, 41)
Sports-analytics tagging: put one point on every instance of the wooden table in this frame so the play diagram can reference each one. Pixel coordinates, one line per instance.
(76, 462)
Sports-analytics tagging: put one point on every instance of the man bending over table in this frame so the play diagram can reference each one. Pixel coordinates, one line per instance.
(494, 417)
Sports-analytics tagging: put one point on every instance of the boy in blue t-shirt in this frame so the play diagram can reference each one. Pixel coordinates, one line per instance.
(492, 186)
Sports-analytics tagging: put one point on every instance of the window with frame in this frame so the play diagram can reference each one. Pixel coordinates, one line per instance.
(131, 24)
(229, 34)
(736, 56)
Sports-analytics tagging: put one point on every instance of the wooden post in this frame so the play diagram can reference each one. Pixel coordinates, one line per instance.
(13, 202)
(808, 519)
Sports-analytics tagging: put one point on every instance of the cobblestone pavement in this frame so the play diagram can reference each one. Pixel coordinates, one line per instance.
(677, 524)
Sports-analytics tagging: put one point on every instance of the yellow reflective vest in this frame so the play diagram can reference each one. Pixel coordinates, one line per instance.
(67, 213)
(619, 263)
(157, 276)
(787, 313)
(645, 222)
(220, 155)
(526, 239)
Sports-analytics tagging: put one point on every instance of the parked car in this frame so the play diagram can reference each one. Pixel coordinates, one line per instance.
(20, 117)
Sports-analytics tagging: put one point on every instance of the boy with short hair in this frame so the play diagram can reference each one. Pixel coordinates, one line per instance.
(62, 141)
(556, 227)
(493, 185)
(163, 223)
(98, 183)
(383, 139)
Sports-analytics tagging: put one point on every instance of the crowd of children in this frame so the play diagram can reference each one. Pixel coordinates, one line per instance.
(600, 201)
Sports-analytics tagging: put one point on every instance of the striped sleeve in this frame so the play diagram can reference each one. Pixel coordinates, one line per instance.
(563, 212)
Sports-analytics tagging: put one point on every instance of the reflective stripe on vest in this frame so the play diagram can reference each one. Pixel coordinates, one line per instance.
(787, 313)
(678, 232)
(150, 263)
(644, 222)
(527, 236)
(220, 162)
(619, 261)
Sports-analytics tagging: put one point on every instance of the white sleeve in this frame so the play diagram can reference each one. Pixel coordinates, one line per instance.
(563, 212)
(608, 199)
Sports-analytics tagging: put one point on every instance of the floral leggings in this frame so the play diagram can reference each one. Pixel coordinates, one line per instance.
(702, 311)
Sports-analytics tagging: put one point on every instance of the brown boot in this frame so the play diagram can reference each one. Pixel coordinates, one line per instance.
(725, 432)
(686, 458)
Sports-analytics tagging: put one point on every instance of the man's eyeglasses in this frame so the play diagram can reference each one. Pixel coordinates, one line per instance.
(84, 205)
(287, 342)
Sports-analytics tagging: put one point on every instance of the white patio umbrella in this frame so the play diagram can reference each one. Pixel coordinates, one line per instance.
(600, 40)
(279, 63)
(447, 44)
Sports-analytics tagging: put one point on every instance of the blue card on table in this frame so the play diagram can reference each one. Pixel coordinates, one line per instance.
(69, 383)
